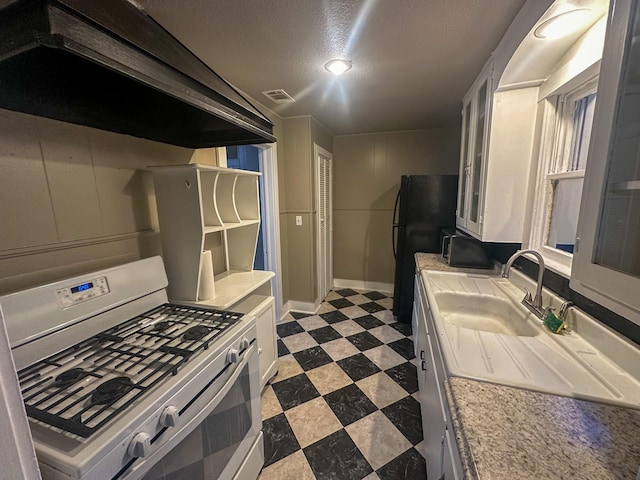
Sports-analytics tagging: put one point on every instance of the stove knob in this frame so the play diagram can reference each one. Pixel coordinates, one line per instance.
(233, 355)
(244, 343)
(169, 417)
(140, 446)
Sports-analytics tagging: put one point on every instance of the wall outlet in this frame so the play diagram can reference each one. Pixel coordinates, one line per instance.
(298, 219)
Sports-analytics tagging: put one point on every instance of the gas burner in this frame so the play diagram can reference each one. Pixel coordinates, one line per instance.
(161, 326)
(69, 377)
(196, 333)
(111, 390)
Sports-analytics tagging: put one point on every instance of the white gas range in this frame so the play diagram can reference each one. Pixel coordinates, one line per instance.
(119, 384)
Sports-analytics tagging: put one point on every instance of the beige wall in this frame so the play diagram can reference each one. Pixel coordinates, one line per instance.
(366, 179)
(297, 199)
(73, 198)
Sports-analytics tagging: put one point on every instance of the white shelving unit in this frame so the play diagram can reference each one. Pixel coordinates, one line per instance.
(203, 208)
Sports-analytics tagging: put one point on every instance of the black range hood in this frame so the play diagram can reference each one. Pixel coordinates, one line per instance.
(106, 64)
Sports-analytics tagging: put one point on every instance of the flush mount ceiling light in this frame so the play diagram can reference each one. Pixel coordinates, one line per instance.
(338, 66)
(563, 24)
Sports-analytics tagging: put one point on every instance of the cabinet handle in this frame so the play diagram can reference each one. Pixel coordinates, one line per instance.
(424, 366)
(421, 354)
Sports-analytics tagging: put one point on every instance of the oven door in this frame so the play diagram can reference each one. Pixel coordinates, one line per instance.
(220, 437)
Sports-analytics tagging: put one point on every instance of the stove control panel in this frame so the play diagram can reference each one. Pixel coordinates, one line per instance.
(75, 294)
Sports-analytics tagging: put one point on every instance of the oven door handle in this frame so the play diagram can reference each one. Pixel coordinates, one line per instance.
(243, 359)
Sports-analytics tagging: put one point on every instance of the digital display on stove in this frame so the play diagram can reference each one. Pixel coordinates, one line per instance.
(82, 288)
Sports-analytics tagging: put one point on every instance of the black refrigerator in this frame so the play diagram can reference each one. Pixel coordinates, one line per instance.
(424, 206)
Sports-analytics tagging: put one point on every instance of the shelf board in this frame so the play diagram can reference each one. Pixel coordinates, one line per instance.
(229, 226)
(244, 223)
(233, 286)
(213, 229)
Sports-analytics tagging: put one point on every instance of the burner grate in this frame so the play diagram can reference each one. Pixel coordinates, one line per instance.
(83, 387)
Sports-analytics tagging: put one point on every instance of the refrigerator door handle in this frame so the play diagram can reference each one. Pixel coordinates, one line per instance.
(393, 239)
(395, 226)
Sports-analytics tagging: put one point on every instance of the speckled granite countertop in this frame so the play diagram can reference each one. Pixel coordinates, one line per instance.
(435, 261)
(511, 433)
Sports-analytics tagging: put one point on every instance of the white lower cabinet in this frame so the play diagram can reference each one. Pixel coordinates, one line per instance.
(264, 309)
(441, 453)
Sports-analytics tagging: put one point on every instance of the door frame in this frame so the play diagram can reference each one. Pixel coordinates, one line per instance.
(317, 151)
(268, 158)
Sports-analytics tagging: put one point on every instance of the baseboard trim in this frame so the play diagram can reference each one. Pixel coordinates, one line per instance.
(304, 307)
(362, 285)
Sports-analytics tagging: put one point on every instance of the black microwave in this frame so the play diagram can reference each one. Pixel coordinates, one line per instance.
(464, 251)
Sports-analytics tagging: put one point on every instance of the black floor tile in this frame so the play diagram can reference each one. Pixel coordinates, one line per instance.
(279, 439)
(358, 367)
(368, 322)
(405, 415)
(299, 315)
(346, 292)
(403, 328)
(350, 404)
(341, 303)
(405, 375)
(364, 341)
(324, 334)
(289, 328)
(374, 295)
(336, 457)
(404, 347)
(295, 391)
(372, 307)
(312, 358)
(334, 317)
(409, 465)
(282, 349)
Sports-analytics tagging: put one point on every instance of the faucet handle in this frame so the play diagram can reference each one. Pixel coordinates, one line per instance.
(564, 309)
(527, 296)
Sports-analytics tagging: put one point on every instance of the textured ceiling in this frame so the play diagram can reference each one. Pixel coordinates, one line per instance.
(413, 60)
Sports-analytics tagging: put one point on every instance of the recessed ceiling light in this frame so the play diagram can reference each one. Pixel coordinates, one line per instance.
(338, 66)
(563, 24)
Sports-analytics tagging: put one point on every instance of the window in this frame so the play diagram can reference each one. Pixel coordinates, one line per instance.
(567, 122)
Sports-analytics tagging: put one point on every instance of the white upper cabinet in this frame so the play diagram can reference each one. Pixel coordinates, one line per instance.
(606, 264)
(497, 139)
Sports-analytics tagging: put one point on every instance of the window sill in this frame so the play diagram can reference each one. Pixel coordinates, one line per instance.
(560, 268)
(555, 262)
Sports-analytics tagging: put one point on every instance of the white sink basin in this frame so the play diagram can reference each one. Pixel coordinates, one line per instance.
(485, 333)
(486, 313)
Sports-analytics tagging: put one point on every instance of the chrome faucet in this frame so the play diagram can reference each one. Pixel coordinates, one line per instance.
(534, 306)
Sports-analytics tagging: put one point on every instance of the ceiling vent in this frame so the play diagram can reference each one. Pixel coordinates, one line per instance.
(278, 96)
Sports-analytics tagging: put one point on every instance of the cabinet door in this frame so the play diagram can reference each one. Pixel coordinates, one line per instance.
(433, 416)
(479, 125)
(266, 331)
(420, 345)
(606, 263)
(461, 212)
(448, 469)
(473, 151)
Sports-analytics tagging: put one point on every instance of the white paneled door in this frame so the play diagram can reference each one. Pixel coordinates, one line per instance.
(324, 179)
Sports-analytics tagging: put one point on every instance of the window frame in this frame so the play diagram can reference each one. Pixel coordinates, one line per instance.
(556, 144)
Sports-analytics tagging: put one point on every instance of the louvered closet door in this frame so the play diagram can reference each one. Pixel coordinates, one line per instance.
(325, 274)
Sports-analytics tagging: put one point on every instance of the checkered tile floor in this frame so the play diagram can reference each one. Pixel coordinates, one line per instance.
(344, 403)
